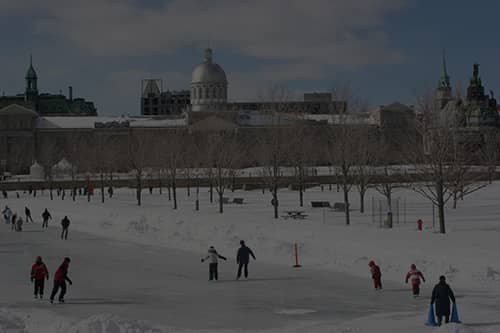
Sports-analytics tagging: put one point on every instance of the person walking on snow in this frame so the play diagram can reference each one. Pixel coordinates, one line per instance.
(213, 257)
(65, 225)
(46, 216)
(441, 295)
(39, 273)
(27, 212)
(60, 278)
(7, 214)
(414, 275)
(376, 275)
(243, 258)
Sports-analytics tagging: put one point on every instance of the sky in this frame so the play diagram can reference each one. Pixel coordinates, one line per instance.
(385, 50)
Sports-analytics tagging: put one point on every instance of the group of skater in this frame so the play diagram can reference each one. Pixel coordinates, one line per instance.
(40, 273)
(442, 294)
(242, 259)
(16, 221)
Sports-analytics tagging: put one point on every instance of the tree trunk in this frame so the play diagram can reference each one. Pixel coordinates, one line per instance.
(211, 192)
(440, 202)
(188, 184)
(174, 192)
(275, 197)
(169, 193)
(102, 187)
(50, 191)
(389, 206)
(346, 204)
(221, 202)
(139, 189)
(88, 189)
(362, 200)
(455, 200)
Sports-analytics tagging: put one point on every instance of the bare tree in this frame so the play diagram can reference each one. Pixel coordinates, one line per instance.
(443, 164)
(173, 151)
(140, 151)
(272, 142)
(225, 156)
(343, 141)
(365, 157)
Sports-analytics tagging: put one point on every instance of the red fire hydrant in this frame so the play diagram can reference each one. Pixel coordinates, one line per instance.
(419, 224)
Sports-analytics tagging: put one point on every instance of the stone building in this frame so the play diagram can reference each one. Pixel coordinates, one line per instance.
(48, 104)
(92, 142)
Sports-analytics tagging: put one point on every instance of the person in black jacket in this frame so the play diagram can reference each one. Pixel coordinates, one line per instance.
(65, 226)
(27, 212)
(242, 259)
(46, 216)
(441, 295)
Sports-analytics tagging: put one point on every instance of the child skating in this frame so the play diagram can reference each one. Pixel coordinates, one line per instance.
(213, 258)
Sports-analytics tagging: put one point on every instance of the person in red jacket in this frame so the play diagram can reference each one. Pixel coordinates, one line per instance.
(376, 275)
(60, 278)
(39, 273)
(414, 275)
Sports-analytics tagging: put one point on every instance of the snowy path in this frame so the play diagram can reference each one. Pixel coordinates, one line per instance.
(170, 287)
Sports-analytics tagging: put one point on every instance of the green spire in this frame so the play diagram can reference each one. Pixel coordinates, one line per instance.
(31, 73)
(444, 82)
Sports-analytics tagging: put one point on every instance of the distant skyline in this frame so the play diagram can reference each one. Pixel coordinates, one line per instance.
(388, 50)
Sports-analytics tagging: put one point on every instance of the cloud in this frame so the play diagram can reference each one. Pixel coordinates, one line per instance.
(289, 40)
(336, 32)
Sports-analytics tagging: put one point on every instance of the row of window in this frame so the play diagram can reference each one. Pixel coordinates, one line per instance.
(208, 92)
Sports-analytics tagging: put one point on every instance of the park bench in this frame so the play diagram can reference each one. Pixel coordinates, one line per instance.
(339, 207)
(294, 214)
(238, 201)
(319, 204)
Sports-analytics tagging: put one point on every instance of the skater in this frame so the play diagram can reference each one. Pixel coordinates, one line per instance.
(110, 192)
(441, 295)
(7, 214)
(27, 212)
(39, 273)
(376, 275)
(242, 259)
(46, 216)
(60, 278)
(13, 220)
(19, 224)
(414, 275)
(65, 225)
(213, 256)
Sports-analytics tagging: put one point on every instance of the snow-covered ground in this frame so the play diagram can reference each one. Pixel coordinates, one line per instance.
(142, 263)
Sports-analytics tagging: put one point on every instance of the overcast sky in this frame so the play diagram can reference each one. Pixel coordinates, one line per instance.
(388, 50)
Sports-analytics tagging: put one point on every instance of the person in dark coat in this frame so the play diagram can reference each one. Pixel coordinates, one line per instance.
(441, 296)
(65, 226)
(60, 278)
(39, 273)
(212, 258)
(242, 258)
(46, 216)
(27, 212)
(13, 221)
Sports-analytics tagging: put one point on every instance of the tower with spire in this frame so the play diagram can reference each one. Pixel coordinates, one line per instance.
(444, 91)
(31, 91)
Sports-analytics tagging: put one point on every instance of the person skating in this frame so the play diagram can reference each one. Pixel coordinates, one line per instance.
(414, 275)
(19, 224)
(65, 225)
(60, 278)
(441, 296)
(243, 258)
(27, 212)
(13, 221)
(46, 216)
(7, 214)
(213, 258)
(39, 273)
(376, 275)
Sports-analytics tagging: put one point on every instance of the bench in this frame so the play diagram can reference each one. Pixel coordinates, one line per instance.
(225, 200)
(339, 207)
(319, 204)
(294, 214)
(238, 201)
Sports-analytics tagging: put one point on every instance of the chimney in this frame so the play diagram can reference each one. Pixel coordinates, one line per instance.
(70, 93)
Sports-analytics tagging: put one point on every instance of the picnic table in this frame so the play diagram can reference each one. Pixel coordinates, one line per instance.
(294, 214)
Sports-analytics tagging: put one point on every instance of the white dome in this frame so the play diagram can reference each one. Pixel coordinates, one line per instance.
(208, 71)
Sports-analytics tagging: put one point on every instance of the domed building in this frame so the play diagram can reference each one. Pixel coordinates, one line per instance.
(208, 86)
